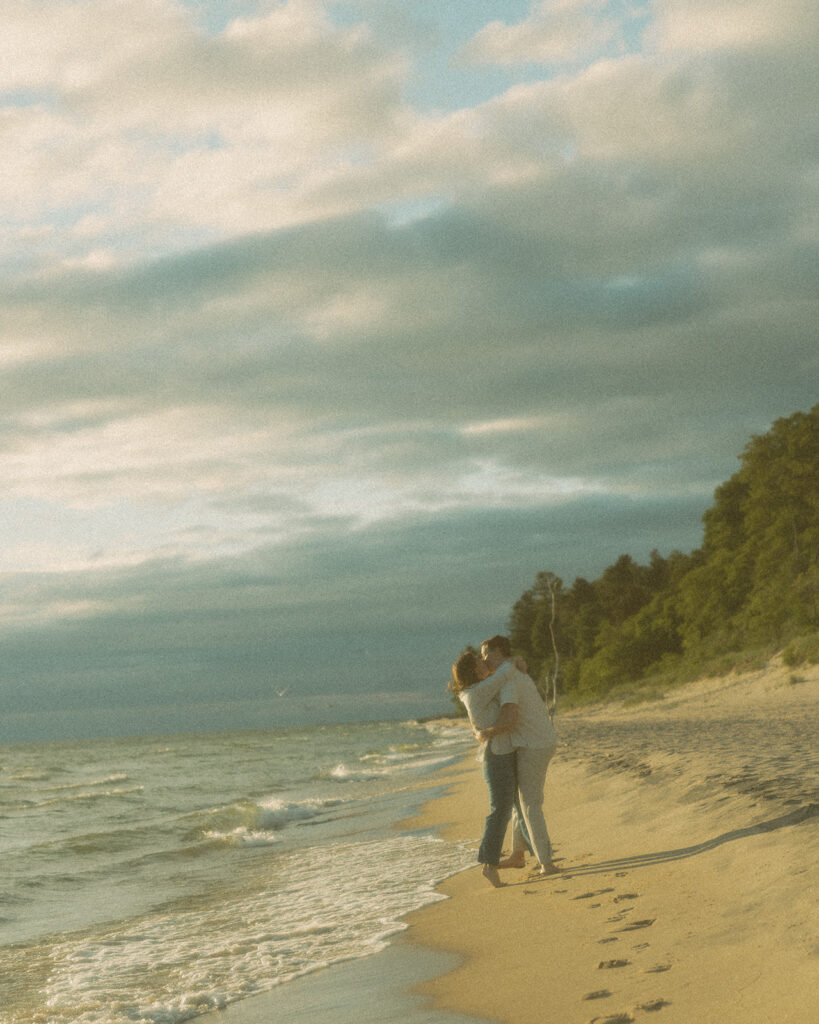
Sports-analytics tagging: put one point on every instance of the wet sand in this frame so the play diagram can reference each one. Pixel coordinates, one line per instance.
(688, 834)
(380, 989)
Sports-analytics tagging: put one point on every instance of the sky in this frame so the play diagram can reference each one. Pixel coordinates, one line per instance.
(326, 326)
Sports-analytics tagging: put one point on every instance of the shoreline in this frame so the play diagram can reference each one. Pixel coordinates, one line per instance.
(380, 987)
(384, 988)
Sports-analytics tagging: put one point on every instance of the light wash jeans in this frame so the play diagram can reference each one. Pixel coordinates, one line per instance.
(532, 764)
(499, 770)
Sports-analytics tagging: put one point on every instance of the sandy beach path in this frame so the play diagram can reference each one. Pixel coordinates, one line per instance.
(688, 831)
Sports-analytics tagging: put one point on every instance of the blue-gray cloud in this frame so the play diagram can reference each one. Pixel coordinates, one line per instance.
(380, 609)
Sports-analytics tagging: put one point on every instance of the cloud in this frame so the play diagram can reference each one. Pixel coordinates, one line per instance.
(389, 606)
(261, 315)
(140, 126)
(166, 396)
(732, 26)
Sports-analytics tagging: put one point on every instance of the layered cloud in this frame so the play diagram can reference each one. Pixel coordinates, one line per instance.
(259, 304)
(137, 124)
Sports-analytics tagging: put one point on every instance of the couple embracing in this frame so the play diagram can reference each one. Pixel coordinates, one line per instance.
(518, 741)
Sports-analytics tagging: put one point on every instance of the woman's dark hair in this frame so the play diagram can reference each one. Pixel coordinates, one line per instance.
(464, 673)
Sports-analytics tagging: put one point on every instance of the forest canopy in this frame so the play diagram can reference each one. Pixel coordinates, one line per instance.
(753, 583)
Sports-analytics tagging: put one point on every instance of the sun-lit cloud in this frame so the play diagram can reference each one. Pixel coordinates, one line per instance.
(133, 119)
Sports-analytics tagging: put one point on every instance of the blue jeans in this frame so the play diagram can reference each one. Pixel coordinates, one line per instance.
(501, 778)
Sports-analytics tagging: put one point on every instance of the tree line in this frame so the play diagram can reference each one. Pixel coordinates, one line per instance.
(753, 582)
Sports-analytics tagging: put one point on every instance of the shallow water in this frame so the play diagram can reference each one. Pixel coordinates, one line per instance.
(152, 879)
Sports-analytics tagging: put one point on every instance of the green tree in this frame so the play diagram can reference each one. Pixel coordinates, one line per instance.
(754, 580)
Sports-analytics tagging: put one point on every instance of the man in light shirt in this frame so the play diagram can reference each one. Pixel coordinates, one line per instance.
(525, 719)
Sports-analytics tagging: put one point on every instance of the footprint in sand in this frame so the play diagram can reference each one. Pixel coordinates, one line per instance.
(633, 926)
(658, 969)
(610, 938)
(621, 915)
(655, 1004)
(589, 895)
(641, 945)
(601, 993)
(615, 1018)
(613, 963)
(626, 896)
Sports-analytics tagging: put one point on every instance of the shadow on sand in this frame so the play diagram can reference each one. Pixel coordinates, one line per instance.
(795, 817)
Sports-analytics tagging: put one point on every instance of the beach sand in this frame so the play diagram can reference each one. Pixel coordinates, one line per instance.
(688, 835)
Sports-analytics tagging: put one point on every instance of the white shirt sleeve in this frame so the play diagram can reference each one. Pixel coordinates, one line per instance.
(490, 687)
(505, 676)
(509, 693)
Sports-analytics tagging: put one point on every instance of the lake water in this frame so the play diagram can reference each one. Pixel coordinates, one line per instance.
(153, 879)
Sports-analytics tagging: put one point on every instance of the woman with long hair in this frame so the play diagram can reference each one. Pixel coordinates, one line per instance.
(483, 699)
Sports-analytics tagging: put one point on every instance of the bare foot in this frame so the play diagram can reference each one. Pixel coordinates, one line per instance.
(549, 869)
(490, 872)
(514, 860)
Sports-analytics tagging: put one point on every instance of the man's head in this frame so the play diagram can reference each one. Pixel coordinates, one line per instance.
(495, 651)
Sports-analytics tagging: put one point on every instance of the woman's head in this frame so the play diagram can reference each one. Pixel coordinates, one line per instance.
(467, 670)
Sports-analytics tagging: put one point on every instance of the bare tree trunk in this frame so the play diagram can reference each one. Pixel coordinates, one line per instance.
(551, 702)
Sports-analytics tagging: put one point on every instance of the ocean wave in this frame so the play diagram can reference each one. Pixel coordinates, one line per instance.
(401, 759)
(39, 851)
(105, 842)
(341, 773)
(35, 775)
(171, 868)
(393, 762)
(277, 814)
(404, 752)
(90, 784)
(242, 836)
(313, 914)
(256, 823)
(84, 796)
(422, 760)
(426, 764)
(446, 726)
(9, 897)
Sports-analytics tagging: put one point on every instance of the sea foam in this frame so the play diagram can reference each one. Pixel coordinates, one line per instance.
(316, 913)
(179, 875)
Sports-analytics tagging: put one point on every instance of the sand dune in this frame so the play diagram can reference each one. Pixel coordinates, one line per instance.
(688, 831)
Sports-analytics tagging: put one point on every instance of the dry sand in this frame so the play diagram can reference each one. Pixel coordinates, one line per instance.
(688, 834)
